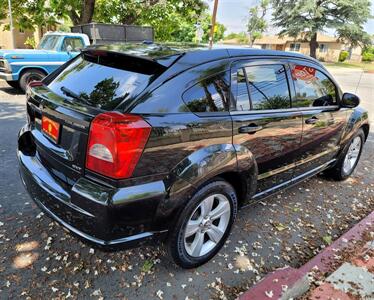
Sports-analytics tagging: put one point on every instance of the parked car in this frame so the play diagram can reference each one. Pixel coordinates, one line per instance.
(21, 66)
(128, 147)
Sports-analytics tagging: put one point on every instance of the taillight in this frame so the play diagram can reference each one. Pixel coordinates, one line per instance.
(115, 144)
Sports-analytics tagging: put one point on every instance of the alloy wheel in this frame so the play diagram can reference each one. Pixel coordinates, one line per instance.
(352, 155)
(207, 225)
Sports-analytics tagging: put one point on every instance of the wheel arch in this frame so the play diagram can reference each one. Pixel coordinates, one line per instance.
(232, 163)
(28, 68)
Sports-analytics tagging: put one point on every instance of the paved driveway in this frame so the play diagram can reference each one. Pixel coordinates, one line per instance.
(38, 259)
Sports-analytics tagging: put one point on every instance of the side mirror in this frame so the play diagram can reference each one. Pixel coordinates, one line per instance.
(69, 48)
(349, 100)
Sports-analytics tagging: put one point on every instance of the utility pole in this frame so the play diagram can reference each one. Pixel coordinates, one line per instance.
(213, 25)
(11, 25)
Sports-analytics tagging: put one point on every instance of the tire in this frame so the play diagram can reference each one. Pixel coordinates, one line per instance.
(14, 84)
(29, 76)
(181, 244)
(341, 171)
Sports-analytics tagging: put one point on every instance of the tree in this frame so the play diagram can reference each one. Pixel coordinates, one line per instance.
(170, 18)
(257, 24)
(28, 14)
(355, 35)
(79, 12)
(305, 18)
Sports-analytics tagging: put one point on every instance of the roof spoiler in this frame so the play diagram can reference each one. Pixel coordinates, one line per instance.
(124, 61)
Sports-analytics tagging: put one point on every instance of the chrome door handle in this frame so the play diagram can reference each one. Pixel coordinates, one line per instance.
(312, 120)
(250, 129)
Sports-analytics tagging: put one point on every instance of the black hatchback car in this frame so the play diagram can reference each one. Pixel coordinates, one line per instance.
(125, 145)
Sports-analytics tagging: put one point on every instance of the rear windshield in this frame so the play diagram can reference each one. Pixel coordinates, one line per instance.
(102, 82)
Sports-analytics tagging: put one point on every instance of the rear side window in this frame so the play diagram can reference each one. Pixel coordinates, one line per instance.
(103, 82)
(262, 88)
(209, 95)
(313, 88)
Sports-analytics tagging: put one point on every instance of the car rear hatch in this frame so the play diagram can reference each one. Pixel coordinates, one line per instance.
(60, 110)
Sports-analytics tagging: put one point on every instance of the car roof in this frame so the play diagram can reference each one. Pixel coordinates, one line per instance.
(167, 53)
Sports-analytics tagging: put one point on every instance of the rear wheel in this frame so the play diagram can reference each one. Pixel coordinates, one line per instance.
(14, 84)
(203, 225)
(349, 158)
(30, 76)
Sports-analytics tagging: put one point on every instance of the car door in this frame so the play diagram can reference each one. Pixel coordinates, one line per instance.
(317, 97)
(263, 120)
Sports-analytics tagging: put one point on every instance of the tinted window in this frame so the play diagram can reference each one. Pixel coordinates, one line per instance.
(313, 88)
(209, 95)
(268, 87)
(76, 44)
(101, 85)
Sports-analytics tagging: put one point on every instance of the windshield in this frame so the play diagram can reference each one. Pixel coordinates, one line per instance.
(103, 85)
(49, 42)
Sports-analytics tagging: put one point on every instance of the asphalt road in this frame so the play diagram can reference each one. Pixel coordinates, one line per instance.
(38, 259)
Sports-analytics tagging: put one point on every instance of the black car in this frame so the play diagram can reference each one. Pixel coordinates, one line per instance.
(125, 145)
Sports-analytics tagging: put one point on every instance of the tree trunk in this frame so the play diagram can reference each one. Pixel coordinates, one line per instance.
(313, 44)
(87, 11)
(74, 17)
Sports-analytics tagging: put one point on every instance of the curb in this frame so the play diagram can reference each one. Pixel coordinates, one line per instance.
(289, 283)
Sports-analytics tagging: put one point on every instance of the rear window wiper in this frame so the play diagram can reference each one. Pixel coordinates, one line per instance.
(73, 95)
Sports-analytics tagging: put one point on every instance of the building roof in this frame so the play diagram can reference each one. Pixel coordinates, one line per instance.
(276, 40)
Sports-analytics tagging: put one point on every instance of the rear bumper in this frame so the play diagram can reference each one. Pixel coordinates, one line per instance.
(103, 216)
(6, 76)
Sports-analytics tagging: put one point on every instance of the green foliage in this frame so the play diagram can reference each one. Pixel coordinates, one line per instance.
(257, 24)
(343, 55)
(30, 41)
(367, 56)
(354, 34)
(241, 37)
(28, 14)
(172, 20)
(296, 17)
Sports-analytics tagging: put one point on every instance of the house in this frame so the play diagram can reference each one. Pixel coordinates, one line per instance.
(329, 47)
(20, 36)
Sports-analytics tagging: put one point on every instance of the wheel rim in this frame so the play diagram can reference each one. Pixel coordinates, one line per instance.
(33, 77)
(207, 225)
(352, 155)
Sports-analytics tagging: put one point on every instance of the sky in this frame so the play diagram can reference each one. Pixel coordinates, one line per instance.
(234, 13)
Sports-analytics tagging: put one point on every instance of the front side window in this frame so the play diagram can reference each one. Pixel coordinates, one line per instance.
(295, 47)
(76, 44)
(49, 42)
(266, 88)
(209, 95)
(313, 88)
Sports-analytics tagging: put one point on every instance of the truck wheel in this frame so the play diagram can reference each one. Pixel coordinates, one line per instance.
(29, 76)
(204, 224)
(348, 159)
(14, 84)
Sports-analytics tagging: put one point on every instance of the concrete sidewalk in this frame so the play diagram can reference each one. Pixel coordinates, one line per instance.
(343, 270)
(352, 280)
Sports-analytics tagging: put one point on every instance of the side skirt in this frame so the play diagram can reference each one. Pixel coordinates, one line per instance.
(287, 184)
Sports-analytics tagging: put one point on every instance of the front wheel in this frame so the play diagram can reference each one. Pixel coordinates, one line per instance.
(204, 224)
(348, 159)
(30, 76)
